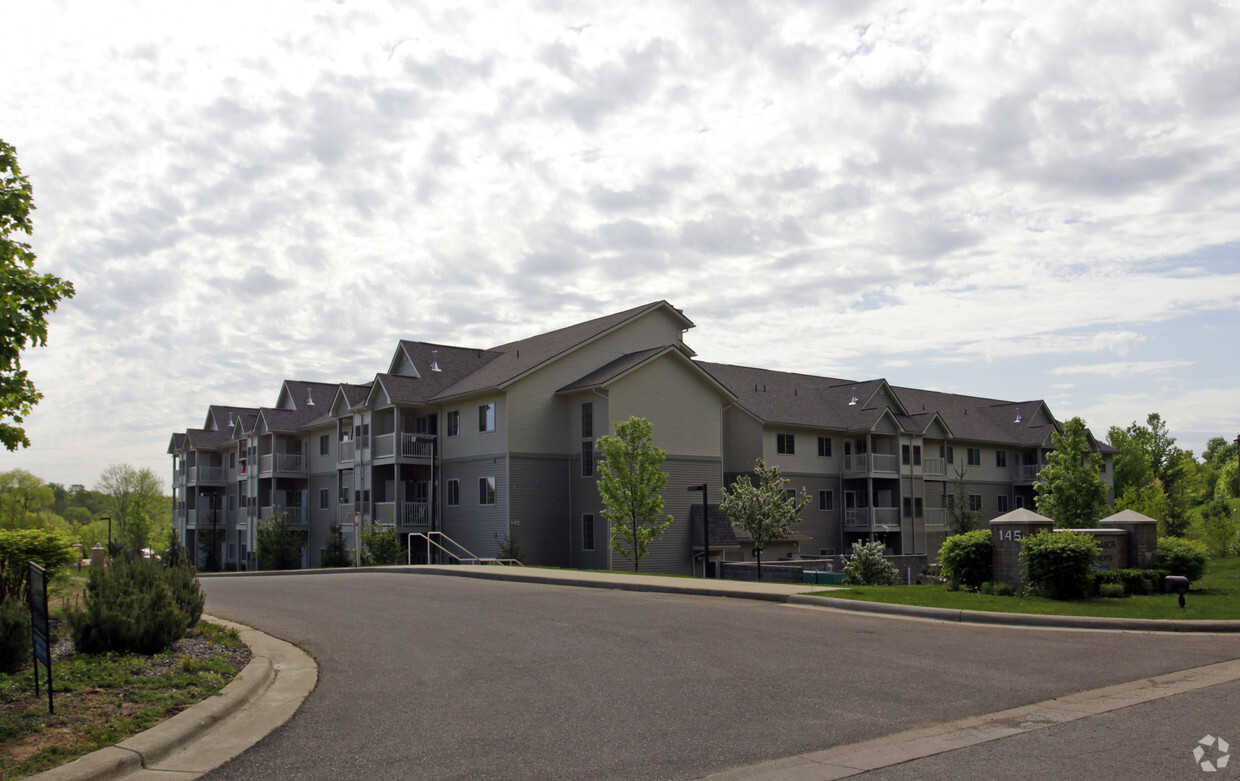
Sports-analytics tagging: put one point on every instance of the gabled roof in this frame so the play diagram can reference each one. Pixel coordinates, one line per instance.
(509, 362)
(722, 534)
(608, 373)
(219, 415)
(452, 365)
(201, 439)
(299, 394)
(348, 397)
(176, 444)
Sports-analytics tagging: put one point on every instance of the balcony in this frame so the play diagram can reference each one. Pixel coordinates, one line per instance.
(871, 463)
(416, 514)
(417, 446)
(346, 452)
(935, 467)
(872, 519)
(1027, 473)
(209, 474)
(385, 446)
(282, 463)
(936, 516)
(295, 516)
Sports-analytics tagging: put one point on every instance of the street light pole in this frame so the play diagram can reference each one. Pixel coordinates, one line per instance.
(705, 525)
(108, 518)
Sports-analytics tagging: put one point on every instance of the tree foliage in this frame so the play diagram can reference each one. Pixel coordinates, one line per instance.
(867, 567)
(335, 552)
(382, 545)
(1219, 526)
(44, 547)
(22, 497)
(1058, 564)
(1070, 488)
(134, 498)
(28, 298)
(763, 505)
(1181, 557)
(968, 559)
(630, 477)
(136, 605)
(1149, 464)
(961, 518)
(278, 544)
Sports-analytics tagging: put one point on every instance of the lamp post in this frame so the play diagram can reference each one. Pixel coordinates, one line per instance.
(705, 525)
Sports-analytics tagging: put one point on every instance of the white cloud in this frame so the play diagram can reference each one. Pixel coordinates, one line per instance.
(1120, 369)
(248, 193)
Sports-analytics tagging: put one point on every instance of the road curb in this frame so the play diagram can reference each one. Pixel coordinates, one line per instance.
(270, 657)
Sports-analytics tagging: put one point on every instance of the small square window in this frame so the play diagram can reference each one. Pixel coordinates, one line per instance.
(785, 444)
(486, 491)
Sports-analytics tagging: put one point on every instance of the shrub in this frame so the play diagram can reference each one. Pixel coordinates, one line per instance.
(986, 588)
(1058, 564)
(1135, 582)
(1112, 590)
(279, 545)
(1219, 526)
(867, 567)
(382, 546)
(135, 605)
(15, 647)
(44, 547)
(968, 559)
(1004, 590)
(1181, 557)
(335, 553)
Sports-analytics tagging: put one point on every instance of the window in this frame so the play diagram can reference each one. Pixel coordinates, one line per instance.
(791, 494)
(324, 445)
(906, 454)
(587, 458)
(945, 453)
(1003, 504)
(908, 507)
(454, 423)
(325, 497)
(426, 424)
(587, 421)
(1020, 502)
(975, 503)
(486, 490)
(486, 417)
(975, 456)
(587, 531)
(421, 492)
(232, 461)
(1102, 467)
(454, 493)
(916, 455)
(786, 444)
(826, 500)
(824, 447)
(1000, 458)
(918, 507)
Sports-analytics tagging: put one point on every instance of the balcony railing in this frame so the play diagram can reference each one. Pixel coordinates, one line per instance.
(416, 514)
(291, 462)
(209, 474)
(935, 467)
(385, 445)
(417, 445)
(295, 516)
(871, 517)
(1026, 473)
(936, 516)
(346, 451)
(385, 513)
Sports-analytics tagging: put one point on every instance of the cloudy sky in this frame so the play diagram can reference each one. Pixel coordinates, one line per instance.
(1007, 199)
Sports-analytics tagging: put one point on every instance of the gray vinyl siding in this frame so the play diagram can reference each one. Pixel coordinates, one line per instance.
(472, 442)
(479, 528)
(823, 527)
(683, 409)
(320, 464)
(671, 553)
(536, 413)
(320, 520)
(742, 440)
(538, 496)
(585, 499)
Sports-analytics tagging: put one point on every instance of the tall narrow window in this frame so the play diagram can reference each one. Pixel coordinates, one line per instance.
(486, 490)
(324, 445)
(486, 417)
(587, 531)
(454, 493)
(1003, 504)
(826, 500)
(916, 455)
(454, 423)
(975, 456)
(824, 447)
(1000, 458)
(587, 420)
(587, 458)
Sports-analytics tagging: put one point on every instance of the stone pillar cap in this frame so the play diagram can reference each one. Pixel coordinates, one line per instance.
(1021, 515)
(1128, 516)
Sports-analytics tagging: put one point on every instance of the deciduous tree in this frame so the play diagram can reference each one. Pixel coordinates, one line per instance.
(1070, 488)
(630, 477)
(135, 499)
(763, 505)
(26, 301)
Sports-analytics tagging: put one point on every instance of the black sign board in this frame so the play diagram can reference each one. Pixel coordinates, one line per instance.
(39, 629)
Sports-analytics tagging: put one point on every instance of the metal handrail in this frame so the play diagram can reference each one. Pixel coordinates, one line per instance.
(468, 557)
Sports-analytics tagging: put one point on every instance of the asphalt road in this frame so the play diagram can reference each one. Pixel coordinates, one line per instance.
(424, 676)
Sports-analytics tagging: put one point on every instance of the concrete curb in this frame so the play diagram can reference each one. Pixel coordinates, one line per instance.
(273, 672)
(1018, 619)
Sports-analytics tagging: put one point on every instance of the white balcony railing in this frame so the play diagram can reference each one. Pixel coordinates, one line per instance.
(936, 516)
(416, 514)
(291, 462)
(385, 445)
(210, 474)
(1028, 472)
(385, 513)
(346, 451)
(935, 467)
(871, 517)
(885, 462)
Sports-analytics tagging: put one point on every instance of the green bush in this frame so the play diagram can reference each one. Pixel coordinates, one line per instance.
(1219, 527)
(335, 553)
(1004, 590)
(382, 546)
(1181, 557)
(1058, 564)
(968, 559)
(44, 547)
(867, 567)
(15, 648)
(135, 606)
(1112, 590)
(1135, 582)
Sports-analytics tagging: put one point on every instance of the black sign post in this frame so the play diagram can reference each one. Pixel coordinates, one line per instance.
(39, 630)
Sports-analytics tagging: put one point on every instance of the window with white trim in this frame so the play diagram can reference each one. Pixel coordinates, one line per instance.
(587, 531)
(587, 420)
(826, 500)
(454, 493)
(786, 444)
(975, 456)
(1000, 458)
(587, 458)
(325, 497)
(454, 423)
(1003, 504)
(824, 447)
(975, 503)
(325, 444)
(486, 417)
(486, 491)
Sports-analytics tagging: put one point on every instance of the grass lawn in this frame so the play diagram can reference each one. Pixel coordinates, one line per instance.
(1215, 597)
(101, 700)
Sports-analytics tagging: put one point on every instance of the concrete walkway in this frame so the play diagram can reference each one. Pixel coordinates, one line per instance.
(280, 676)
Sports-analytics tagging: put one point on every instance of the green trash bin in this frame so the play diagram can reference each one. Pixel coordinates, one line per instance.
(830, 578)
(809, 576)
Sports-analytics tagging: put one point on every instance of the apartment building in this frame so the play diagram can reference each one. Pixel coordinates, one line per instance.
(483, 443)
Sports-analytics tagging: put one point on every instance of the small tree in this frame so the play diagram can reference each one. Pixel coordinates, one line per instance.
(867, 567)
(382, 545)
(1058, 564)
(335, 552)
(1181, 557)
(510, 548)
(630, 477)
(18, 547)
(1219, 526)
(968, 559)
(763, 505)
(279, 545)
(1070, 488)
(961, 518)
